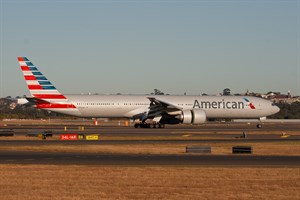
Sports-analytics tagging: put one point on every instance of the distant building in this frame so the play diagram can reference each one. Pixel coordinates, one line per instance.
(284, 98)
(276, 97)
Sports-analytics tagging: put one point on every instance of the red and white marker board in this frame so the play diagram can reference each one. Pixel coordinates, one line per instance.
(69, 136)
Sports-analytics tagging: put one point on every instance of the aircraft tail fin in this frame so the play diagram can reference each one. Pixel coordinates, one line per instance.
(39, 86)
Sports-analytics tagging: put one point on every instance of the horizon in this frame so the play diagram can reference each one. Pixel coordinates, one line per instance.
(151, 94)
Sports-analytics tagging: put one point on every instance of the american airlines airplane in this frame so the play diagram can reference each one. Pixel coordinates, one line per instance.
(146, 110)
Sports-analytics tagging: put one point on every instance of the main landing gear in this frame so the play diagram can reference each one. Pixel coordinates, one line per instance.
(145, 125)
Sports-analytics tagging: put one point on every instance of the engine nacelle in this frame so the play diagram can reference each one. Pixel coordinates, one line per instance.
(195, 116)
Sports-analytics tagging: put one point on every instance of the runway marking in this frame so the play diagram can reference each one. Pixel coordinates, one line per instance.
(284, 135)
(191, 132)
(10, 160)
(187, 135)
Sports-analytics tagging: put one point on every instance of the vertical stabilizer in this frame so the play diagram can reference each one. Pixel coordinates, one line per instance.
(39, 86)
(42, 90)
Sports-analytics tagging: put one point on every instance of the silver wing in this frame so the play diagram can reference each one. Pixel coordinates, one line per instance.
(158, 107)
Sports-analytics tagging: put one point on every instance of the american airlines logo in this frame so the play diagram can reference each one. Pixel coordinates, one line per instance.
(223, 104)
(249, 103)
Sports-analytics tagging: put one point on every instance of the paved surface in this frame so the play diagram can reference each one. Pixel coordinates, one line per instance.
(36, 142)
(210, 133)
(213, 131)
(23, 157)
(211, 127)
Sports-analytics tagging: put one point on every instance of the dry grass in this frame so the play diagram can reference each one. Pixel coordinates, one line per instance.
(275, 148)
(83, 182)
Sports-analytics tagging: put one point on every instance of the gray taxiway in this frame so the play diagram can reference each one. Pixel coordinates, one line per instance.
(211, 133)
(25, 157)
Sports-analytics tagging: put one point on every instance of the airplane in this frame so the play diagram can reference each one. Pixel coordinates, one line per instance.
(146, 110)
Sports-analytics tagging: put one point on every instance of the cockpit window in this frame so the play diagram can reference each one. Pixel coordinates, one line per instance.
(273, 104)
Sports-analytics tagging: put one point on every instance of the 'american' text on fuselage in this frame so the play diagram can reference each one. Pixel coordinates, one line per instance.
(219, 104)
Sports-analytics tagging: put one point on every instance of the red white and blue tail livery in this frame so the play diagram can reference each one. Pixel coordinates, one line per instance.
(44, 94)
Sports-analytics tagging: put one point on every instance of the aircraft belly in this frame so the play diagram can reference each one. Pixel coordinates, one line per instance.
(233, 114)
(67, 111)
(102, 112)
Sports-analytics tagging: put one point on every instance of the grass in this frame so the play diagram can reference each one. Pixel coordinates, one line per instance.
(274, 148)
(66, 182)
(89, 182)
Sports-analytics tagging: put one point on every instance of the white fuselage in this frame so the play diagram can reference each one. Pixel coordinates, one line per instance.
(234, 107)
(161, 109)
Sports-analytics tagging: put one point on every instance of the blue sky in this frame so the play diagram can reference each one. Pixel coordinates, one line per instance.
(132, 47)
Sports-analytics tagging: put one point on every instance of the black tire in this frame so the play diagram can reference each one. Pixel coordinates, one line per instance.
(259, 125)
(161, 126)
(144, 126)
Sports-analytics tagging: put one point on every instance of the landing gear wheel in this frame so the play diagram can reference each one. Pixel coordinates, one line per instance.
(145, 125)
(153, 126)
(259, 125)
(161, 126)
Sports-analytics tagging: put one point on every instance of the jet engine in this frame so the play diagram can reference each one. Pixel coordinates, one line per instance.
(195, 116)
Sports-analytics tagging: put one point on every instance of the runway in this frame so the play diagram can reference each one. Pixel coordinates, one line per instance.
(211, 134)
(208, 127)
(58, 158)
(214, 132)
(4, 143)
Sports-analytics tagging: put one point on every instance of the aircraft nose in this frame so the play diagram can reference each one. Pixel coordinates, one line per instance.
(276, 109)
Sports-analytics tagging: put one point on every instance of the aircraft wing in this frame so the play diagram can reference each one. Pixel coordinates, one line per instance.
(158, 107)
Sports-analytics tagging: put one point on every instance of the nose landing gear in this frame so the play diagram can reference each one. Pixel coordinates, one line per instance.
(259, 125)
